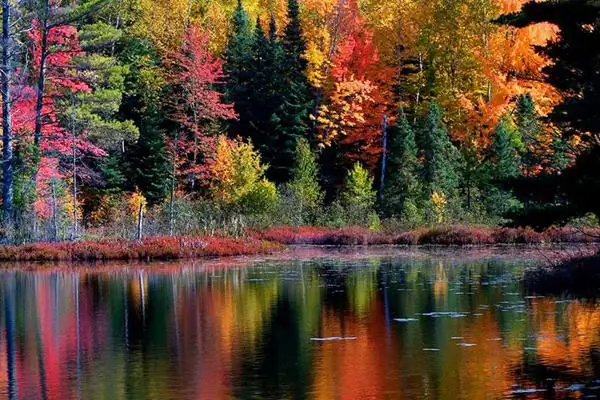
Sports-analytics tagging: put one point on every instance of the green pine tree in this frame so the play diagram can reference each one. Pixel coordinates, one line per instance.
(529, 129)
(401, 190)
(304, 189)
(260, 85)
(113, 173)
(503, 152)
(504, 164)
(151, 167)
(559, 158)
(441, 159)
(296, 105)
(147, 161)
(238, 58)
(359, 196)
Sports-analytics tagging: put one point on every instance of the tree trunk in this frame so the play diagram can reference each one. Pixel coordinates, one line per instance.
(74, 145)
(54, 212)
(7, 133)
(418, 95)
(383, 159)
(41, 78)
(140, 221)
(173, 177)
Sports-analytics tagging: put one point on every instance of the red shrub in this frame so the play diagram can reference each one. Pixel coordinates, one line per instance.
(457, 235)
(158, 248)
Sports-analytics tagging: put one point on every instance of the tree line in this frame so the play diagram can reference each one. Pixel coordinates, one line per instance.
(222, 121)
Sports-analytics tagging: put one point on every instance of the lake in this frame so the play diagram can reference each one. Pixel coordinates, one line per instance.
(339, 325)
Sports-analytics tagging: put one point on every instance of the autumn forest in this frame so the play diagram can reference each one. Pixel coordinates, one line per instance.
(178, 117)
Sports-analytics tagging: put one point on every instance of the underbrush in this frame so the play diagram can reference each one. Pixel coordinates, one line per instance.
(456, 235)
(150, 249)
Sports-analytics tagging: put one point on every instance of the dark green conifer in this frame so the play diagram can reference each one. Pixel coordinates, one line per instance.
(441, 159)
(402, 186)
(529, 129)
(504, 164)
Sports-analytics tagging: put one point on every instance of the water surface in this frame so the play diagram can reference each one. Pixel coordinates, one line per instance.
(380, 326)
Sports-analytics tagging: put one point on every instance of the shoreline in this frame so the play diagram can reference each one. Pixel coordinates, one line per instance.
(285, 239)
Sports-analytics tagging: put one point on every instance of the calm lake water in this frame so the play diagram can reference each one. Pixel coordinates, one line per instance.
(390, 326)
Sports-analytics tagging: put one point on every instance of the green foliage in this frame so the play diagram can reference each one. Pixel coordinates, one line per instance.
(297, 102)
(306, 196)
(238, 178)
(441, 160)
(266, 83)
(237, 56)
(528, 129)
(559, 158)
(503, 165)
(402, 188)
(112, 170)
(149, 162)
(359, 196)
(261, 199)
(505, 157)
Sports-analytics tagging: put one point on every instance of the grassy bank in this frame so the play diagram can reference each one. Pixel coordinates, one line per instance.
(457, 235)
(150, 249)
(273, 239)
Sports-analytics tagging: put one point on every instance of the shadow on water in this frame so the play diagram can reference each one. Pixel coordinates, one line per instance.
(369, 326)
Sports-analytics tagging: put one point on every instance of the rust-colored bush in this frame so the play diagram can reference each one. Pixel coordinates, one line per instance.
(157, 248)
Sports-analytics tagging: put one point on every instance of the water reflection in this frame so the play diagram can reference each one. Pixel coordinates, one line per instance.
(375, 328)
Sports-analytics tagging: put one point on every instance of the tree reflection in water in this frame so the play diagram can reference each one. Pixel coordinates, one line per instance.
(244, 331)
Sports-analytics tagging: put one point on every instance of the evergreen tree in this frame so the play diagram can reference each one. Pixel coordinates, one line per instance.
(504, 155)
(304, 189)
(573, 70)
(575, 56)
(504, 165)
(150, 161)
(441, 159)
(296, 105)
(113, 173)
(147, 161)
(237, 67)
(266, 89)
(529, 129)
(402, 186)
(293, 40)
(359, 196)
(559, 157)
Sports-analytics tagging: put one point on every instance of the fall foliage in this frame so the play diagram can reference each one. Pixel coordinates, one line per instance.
(187, 102)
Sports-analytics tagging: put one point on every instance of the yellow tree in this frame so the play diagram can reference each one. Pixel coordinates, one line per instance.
(238, 176)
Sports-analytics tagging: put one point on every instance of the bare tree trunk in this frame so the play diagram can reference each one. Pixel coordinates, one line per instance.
(140, 221)
(54, 212)
(74, 171)
(383, 159)
(173, 178)
(418, 96)
(7, 133)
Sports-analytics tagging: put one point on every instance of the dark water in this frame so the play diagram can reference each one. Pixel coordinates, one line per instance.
(396, 328)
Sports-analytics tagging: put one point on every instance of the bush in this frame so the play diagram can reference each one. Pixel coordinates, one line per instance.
(157, 248)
